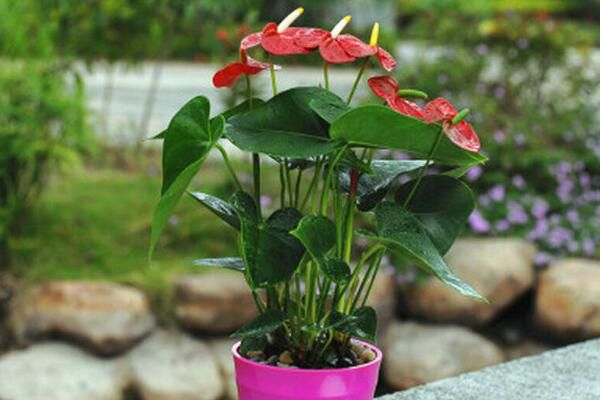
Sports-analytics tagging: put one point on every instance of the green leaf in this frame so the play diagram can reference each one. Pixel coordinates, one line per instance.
(402, 232)
(330, 108)
(442, 204)
(361, 324)
(265, 323)
(270, 253)
(188, 138)
(187, 143)
(253, 343)
(234, 263)
(242, 108)
(285, 126)
(220, 208)
(379, 126)
(317, 233)
(373, 188)
(335, 269)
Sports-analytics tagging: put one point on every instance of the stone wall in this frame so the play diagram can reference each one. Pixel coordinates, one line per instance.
(569, 373)
(98, 340)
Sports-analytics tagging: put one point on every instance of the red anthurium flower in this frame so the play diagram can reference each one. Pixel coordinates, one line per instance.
(278, 39)
(335, 48)
(385, 59)
(228, 75)
(386, 87)
(461, 134)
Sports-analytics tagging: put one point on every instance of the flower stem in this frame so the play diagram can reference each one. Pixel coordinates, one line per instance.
(273, 78)
(256, 175)
(361, 72)
(438, 139)
(326, 74)
(236, 181)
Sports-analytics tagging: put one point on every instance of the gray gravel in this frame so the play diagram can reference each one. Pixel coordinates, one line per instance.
(570, 373)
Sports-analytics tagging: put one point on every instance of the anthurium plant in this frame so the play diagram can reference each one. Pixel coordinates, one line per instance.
(309, 282)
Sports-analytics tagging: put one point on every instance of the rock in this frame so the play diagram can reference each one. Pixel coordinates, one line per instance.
(222, 352)
(417, 353)
(526, 348)
(105, 316)
(500, 269)
(172, 366)
(569, 373)
(214, 302)
(384, 298)
(568, 299)
(57, 371)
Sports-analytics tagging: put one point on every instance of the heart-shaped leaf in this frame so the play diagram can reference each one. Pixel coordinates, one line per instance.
(317, 233)
(373, 188)
(361, 324)
(187, 142)
(400, 231)
(270, 252)
(284, 126)
(330, 108)
(265, 323)
(220, 208)
(379, 126)
(234, 263)
(335, 269)
(442, 204)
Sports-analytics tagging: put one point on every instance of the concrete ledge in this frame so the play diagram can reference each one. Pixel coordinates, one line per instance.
(570, 373)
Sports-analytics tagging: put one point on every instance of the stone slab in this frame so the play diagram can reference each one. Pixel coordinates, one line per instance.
(572, 373)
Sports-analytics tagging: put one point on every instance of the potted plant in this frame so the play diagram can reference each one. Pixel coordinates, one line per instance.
(314, 335)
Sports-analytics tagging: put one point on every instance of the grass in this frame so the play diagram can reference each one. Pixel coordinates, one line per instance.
(94, 224)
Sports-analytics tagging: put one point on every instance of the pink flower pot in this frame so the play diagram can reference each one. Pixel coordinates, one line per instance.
(256, 381)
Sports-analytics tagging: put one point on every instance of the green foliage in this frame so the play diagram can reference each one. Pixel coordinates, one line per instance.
(42, 114)
(378, 126)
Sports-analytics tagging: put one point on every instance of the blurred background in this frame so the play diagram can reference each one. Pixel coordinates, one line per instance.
(83, 84)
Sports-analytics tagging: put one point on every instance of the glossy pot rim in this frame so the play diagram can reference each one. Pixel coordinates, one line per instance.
(378, 357)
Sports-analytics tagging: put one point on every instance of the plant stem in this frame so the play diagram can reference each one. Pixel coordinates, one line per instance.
(357, 80)
(273, 78)
(326, 74)
(249, 91)
(256, 175)
(312, 184)
(325, 195)
(297, 188)
(422, 173)
(236, 181)
(282, 185)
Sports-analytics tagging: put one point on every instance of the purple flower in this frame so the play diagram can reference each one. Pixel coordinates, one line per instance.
(502, 225)
(500, 92)
(585, 180)
(572, 246)
(540, 208)
(265, 201)
(516, 213)
(497, 193)
(559, 236)
(589, 247)
(573, 216)
(542, 259)
(474, 173)
(499, 136)
(519, 182)
(478, 223)
(482, 49)
(540, 230)
(520, 139)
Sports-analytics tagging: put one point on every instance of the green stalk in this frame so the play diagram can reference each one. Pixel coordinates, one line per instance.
(273, 78)
(325, 194)
(256, 176)
(361, 72)
(297, 188)
(282, 185)
(312, 184)
(326, 74)
(249, 91)
(236, 181)
(422, 173)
